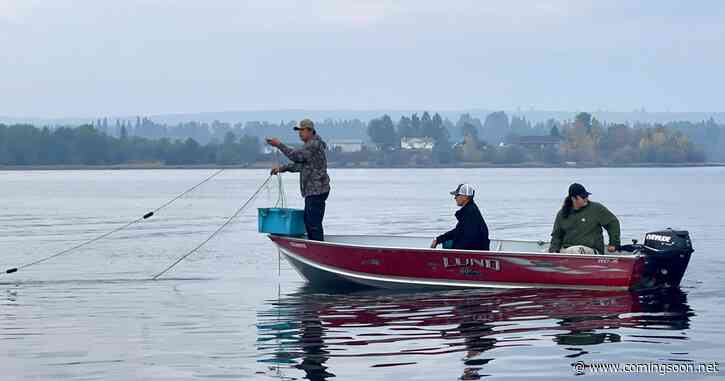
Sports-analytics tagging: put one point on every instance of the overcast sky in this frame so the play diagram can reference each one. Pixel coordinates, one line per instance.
(127, 57)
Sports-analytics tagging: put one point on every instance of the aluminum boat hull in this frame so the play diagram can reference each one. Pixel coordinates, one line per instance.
(401, 263)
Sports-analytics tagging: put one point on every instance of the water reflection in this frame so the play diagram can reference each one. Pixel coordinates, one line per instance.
(305, 329)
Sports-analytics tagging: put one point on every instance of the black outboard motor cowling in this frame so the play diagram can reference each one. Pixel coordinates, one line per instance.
(668, 240)
(667, 254)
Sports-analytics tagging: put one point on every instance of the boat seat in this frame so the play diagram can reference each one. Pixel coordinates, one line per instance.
(520, 246)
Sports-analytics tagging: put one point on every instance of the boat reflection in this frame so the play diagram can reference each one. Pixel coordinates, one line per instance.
(304, 329)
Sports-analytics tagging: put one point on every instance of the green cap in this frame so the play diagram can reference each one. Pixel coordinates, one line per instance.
(305, 123)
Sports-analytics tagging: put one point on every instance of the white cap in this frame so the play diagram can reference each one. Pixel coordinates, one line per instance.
(464, 190)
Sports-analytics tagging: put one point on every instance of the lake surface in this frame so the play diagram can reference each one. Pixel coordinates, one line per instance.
(232, 311)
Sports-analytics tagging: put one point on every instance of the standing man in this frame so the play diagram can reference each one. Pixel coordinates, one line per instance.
(471, 232)
(578, 225)
(311, 162)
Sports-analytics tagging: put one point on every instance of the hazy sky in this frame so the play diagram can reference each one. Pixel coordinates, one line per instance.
(90, 57)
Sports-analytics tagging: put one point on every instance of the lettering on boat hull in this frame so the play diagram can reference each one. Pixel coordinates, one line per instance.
(485, 263)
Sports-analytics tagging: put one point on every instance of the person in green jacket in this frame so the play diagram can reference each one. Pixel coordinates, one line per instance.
(579, 224)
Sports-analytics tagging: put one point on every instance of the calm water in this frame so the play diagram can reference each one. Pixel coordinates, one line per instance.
(227, 313)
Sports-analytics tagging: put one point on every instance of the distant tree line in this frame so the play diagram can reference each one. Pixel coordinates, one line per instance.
(707, 134)
(497, 139)
(216, 131)
(387, 137)
(86, 145)
(493, 129)
(588, 140)
(500, 140)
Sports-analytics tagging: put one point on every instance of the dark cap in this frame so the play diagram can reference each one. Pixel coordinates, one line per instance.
(305, 123)
(577, 189)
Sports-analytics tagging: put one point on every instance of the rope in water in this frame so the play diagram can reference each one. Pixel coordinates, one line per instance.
(219, 229)
(281, 195)
(118, 229)
(281, 203)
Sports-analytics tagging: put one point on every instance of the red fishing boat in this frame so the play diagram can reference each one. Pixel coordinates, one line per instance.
(396, 262)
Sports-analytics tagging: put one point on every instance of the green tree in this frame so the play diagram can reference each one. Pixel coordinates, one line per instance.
(382, 132)
(249, 148)
(471, 151)
(124, 132)
(415, 127)
(442, 150)
(405, 127)
(583, 120)
(426, 125)
(468, 129)
(230, 151)
(520, 126)
(495, 127)
(467, 124)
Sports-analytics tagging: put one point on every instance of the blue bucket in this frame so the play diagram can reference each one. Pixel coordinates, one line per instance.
(281, 221)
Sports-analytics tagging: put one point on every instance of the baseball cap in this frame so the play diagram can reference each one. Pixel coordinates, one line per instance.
(577, 189)
(305, 123)
(464, 190)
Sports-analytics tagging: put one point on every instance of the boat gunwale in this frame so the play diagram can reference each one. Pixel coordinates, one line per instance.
(633, 256)
(435, 282)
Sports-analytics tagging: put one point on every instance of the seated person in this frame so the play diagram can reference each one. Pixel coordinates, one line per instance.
(471, 232)
(578, 225)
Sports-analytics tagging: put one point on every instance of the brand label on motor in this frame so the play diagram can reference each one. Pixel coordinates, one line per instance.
(658, 237)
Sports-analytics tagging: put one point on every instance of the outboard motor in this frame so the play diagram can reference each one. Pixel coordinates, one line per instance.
(667, 254)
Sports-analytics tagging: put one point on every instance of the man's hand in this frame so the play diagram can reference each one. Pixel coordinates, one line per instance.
(434, 243)
(275, 171)
(274, 142)
(611, 248)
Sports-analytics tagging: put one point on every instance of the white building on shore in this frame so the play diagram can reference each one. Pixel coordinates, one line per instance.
(345, 145)
(421, 144)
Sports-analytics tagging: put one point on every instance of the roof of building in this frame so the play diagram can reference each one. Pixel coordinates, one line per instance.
(415, 138)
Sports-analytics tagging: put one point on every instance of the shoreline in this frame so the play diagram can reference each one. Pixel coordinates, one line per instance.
(267, 165)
